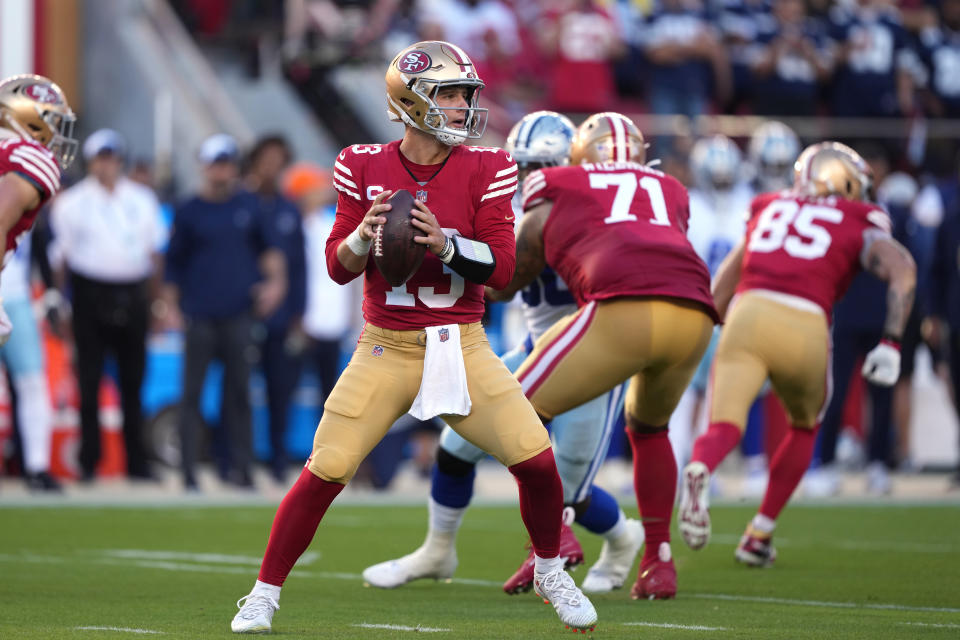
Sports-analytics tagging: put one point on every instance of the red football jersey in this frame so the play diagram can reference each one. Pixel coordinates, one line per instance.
(618, 229)
(37, 165)
(470, 196)
(809, 247)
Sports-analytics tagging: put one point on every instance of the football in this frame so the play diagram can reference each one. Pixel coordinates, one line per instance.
(395, 253)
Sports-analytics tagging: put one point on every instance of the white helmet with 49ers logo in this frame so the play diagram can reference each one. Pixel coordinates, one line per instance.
(413, 79)
(35, 108)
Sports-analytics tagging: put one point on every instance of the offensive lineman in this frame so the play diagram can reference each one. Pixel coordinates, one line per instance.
(423, 349)
(36, 143)
(581, 436)
(799, 254)
(615, 231)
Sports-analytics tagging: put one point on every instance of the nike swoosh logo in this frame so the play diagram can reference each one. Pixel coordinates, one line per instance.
(509, 217)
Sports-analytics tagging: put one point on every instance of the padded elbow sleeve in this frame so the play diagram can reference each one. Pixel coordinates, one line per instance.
(471, 259)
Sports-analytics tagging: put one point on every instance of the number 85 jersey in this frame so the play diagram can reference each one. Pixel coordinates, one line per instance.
(810, 247)
(618, 229)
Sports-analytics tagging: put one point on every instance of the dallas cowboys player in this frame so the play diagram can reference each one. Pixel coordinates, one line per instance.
(581, 436)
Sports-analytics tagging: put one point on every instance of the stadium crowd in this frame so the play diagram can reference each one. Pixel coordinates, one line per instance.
(779, 58)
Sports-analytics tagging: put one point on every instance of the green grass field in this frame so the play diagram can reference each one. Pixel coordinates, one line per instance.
(842, 572)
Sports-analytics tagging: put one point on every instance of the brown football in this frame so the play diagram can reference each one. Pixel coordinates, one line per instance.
(394, 252)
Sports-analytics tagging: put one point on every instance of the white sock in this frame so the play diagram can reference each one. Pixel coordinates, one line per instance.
(445, 519)
(547, 565)
(262, 588)
(35, 419)
(618, 530)
(763, 524)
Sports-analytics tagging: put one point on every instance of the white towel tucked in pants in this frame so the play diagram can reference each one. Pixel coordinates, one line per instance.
(443, 387)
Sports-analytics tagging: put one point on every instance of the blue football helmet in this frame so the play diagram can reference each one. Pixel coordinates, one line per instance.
(715, 163)
(773, 149)
(541, 139)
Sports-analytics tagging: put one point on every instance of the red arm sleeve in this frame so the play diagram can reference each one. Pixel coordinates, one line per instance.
(494, 222)
(350, 212)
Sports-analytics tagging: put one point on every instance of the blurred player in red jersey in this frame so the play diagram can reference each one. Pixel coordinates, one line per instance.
(423, 349)
(615, 231)
(800, 252)
(36, 129)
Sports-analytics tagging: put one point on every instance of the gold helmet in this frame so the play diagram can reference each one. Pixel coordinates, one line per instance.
(35, 108)
(832, 168)
(608, 137)
(413, 79)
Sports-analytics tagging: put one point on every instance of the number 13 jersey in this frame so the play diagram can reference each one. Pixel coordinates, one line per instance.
(618, 229)
(469, 195)
(810, 247)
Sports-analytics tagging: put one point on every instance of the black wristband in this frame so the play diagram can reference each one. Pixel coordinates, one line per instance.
(471, 259)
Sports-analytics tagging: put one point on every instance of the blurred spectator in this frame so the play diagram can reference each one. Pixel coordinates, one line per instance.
(791, 63)
(108, 231)
(22, 357)
(281, 349)
(940, 48)
(688, 62)
(331, 310)
(224, 267)
(743, 23)
(580, 40)
(857, 326)
(876, 63)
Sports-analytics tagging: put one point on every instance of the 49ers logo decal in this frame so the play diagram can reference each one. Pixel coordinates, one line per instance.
(414, 62)
(41, 93)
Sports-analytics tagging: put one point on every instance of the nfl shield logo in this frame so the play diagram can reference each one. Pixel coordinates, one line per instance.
(377, 350)
(422, 195)
(444, 334)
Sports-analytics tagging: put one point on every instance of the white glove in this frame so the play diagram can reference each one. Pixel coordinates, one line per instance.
(6, 327)
(882, 364)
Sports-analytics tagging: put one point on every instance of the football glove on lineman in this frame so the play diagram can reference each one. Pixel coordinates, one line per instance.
(882, 364)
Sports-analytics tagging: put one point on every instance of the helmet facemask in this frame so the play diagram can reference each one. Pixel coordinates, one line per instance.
(436, 119)
(35, 109)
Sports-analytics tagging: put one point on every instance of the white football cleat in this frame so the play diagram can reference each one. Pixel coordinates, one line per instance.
(422, 563)
(575, 609)
(255, 615)
(616, 560)
(694, 518)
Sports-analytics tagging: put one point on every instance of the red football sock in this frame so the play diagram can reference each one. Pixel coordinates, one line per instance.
(716, 444)
(787, 467)
(295, 524)
(541, 501)
(655, 483)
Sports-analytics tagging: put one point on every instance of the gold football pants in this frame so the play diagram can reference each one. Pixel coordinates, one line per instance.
(655, 342)
(381, 382)
(765, 338)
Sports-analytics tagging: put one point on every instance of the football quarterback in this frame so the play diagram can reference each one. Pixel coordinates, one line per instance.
(800, 251)
(423, 349)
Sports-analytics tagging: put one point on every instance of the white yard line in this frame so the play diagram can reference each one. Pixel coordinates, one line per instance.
(819, 603)
(944, 625)
(218, 558)
(667, 625)
(121, 629)
(398, 627)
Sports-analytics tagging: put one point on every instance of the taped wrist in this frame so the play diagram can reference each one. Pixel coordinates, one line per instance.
(357, 244)
(471, 259)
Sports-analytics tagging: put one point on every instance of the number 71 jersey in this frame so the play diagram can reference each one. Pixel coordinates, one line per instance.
(619, 229)
(810, 247)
